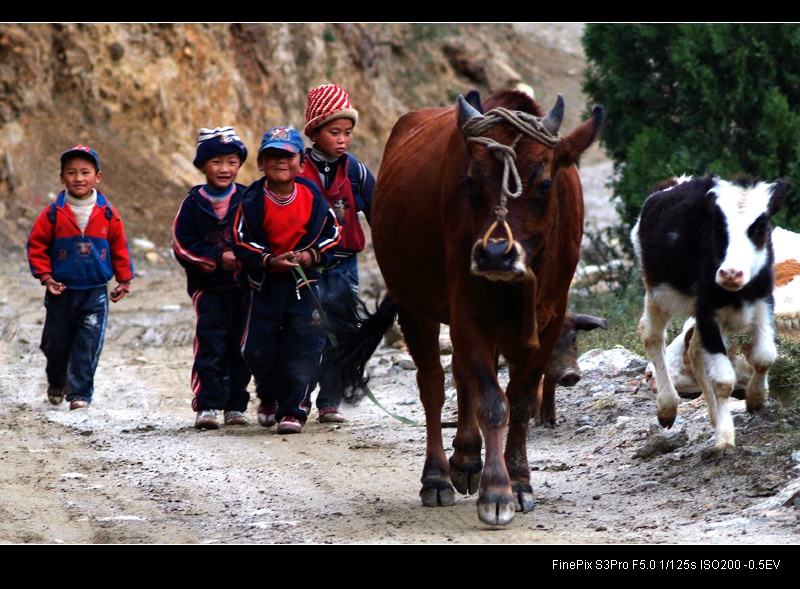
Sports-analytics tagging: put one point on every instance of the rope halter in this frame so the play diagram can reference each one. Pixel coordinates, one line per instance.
(526, 124)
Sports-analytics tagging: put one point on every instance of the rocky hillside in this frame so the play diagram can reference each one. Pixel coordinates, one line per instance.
(138, 93)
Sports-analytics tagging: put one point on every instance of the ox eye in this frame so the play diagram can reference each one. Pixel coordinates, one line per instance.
(543, 190)
(471, 188)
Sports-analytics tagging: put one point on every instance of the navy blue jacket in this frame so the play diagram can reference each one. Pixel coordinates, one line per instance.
(199, 238)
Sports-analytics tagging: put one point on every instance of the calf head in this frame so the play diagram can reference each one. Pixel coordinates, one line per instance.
(741, 240)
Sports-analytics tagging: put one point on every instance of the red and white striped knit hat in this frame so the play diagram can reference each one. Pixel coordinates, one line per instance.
(326, 103)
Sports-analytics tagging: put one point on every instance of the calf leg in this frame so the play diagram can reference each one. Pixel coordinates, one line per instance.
(716, 377)
(762, 357)
(652, 329)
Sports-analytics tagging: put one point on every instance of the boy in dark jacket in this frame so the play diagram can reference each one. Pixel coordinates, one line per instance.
(285, 233)
(76, 245)
(202, 241)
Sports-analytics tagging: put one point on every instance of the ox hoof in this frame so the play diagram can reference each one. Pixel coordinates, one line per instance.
(523, 496)
(754, 407)
(496, 513)
(437, 494)
(466, 478)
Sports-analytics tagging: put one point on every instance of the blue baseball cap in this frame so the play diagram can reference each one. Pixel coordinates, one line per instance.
(284, 138)
(81, 151)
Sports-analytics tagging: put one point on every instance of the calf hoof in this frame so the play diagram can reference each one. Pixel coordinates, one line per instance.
(716, 453)
(437, 494)
(666, 421)
(754, 406)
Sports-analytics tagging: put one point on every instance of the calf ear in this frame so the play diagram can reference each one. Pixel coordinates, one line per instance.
(779, 190)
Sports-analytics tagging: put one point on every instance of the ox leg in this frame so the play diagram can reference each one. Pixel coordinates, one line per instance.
(762, 356)
(715, 375)
(545, 404)
(652, 329)
(480, 394)
(422, 339)
(466, 464)
(520, 395)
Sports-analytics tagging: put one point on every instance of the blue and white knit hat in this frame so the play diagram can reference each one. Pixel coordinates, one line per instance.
(218, 141)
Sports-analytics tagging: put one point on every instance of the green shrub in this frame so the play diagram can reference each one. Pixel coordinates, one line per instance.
(694, 99)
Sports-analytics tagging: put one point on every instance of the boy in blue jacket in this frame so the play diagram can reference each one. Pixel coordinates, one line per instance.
(202, 240)
(76, 245)
(285, 233)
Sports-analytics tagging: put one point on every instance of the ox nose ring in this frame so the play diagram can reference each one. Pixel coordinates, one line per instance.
(501, 218)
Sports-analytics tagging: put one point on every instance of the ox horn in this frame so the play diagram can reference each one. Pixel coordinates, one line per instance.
(552, 121)
(466, 111)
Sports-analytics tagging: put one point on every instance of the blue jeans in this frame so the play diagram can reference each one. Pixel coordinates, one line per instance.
(338, 295)
(72, 339)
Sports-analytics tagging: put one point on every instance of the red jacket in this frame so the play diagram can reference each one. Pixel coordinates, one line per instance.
(80, 259)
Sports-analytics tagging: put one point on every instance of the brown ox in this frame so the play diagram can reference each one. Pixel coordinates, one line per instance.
(477, 222)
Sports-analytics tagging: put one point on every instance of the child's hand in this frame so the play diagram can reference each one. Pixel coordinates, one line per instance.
(284, 260)
(54, 287)
(120, 291)
(228, 261)
(303, 259)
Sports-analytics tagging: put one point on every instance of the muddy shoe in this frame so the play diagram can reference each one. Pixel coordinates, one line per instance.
(78, 404)
(330, 415)
(55, 396)
(290, 425)
(235, 418)
(206, 419)
(266, 413)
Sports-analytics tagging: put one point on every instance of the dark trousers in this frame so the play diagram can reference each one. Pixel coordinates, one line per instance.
(282, 343)
(72, 339)
(338, 293)
(219, 374)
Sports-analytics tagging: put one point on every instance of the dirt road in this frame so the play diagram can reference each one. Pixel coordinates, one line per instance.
(132, 468)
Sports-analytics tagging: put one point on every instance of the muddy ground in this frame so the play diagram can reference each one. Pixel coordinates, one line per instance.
(132, 469)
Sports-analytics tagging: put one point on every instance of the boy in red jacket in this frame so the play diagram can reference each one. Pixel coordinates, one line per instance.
(285, 233)
(76, 245)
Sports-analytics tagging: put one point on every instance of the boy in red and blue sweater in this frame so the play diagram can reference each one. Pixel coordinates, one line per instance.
(285, 233)
(202, 241)
(76, 245)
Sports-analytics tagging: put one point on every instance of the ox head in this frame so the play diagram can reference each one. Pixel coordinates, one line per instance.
(515, 155)
(742, 211)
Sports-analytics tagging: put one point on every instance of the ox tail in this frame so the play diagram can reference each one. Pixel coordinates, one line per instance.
(346, 363)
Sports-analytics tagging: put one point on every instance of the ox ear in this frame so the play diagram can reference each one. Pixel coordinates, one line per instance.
(589, 322)
(465, 111)
(569, 149)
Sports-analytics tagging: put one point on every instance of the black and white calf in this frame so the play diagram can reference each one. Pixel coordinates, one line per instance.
(705, 249)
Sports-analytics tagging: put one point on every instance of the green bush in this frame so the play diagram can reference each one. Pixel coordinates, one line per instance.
(695, 99)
